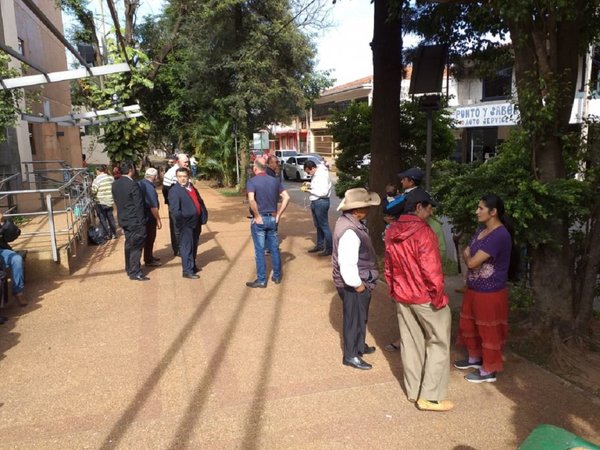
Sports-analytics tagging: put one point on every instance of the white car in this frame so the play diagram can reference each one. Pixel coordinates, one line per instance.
(283, 155)
(293, 168)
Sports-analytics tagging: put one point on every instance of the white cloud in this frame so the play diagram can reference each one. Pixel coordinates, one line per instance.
(344, 48)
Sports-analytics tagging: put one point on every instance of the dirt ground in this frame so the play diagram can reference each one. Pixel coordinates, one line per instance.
(578, 365)
(586, 370)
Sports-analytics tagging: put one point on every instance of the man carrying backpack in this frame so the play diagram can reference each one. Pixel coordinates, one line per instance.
(11, 259)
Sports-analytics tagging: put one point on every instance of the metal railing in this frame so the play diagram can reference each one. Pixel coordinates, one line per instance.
(63, 191)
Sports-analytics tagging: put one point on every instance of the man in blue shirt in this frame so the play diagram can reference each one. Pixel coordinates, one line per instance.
(151, 209)
(263, 193)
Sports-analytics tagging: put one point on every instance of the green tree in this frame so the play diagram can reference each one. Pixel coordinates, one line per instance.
(548, 39)
(247, 61)
(215, 150)
(351, 129)
(84, 30)
(128, 138)
(10, 99)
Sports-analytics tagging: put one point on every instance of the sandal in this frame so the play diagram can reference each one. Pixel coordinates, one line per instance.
(391, 347)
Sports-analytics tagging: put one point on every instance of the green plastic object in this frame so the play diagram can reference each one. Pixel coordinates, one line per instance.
(549, 437)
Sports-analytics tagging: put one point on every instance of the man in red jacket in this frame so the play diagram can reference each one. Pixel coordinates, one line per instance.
(413, 271)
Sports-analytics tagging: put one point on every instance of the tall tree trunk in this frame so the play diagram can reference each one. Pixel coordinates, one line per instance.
(168, 47)
(131, 7)
(385, 136)
(546, 56)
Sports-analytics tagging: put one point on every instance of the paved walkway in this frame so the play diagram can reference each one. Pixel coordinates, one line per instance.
(101, 362)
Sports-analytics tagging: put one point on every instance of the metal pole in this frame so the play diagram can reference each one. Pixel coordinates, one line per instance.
(52, 228)
(428, 154)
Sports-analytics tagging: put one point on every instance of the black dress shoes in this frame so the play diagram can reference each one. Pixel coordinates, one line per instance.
(357, 363)
(315, 249)
(367, 350)
(153, 264)
(139, 277)
(325, 253)
(256, 284)
(191, 276)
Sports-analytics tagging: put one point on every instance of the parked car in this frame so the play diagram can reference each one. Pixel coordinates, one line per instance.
(293, 168)
(283, 155)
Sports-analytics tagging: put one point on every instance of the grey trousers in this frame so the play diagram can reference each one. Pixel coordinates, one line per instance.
(355, 315)
(425, 350)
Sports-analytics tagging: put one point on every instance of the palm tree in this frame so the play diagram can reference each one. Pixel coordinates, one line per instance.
(215, 140)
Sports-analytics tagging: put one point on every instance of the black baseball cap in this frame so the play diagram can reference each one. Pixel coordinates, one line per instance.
(413, 173)
(418, 196)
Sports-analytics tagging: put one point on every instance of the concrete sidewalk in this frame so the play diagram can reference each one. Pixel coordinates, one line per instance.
(99, 361)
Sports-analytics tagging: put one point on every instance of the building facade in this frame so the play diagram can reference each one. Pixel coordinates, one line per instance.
(23, 31)
(484, 110)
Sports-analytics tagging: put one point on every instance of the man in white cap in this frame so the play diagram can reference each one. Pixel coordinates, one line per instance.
(355, 272)
(151, 206)
(411, 181)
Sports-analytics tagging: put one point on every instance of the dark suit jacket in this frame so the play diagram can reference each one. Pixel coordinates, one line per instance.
(182, 207)
(130, 203)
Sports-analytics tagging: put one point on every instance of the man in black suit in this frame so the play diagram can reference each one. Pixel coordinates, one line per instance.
(184, 206)
(132, 218)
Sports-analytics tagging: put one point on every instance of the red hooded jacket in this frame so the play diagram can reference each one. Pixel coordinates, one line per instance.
(413, 267)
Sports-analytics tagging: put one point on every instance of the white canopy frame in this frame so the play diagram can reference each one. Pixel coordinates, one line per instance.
(96, 117)
(53, 77)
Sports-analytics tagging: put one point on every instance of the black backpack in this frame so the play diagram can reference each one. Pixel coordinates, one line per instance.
(9, 231)
(95, 236)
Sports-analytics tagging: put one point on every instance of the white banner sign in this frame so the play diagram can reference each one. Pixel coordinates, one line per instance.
(486, 115)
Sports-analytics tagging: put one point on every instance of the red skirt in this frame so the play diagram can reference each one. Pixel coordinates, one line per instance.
(484, 326)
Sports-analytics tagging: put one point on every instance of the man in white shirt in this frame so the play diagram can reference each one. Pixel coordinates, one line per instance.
(320, 190)
(355, 272)
(169, 180)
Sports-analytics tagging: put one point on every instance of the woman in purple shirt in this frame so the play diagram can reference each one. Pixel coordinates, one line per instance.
(484, 314)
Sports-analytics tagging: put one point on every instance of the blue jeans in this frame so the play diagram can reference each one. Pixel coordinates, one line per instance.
(14, 262)
(263, 235)
(320, 214)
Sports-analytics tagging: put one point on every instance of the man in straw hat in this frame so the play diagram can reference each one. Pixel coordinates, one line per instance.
(413, 271)
(355, 272)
